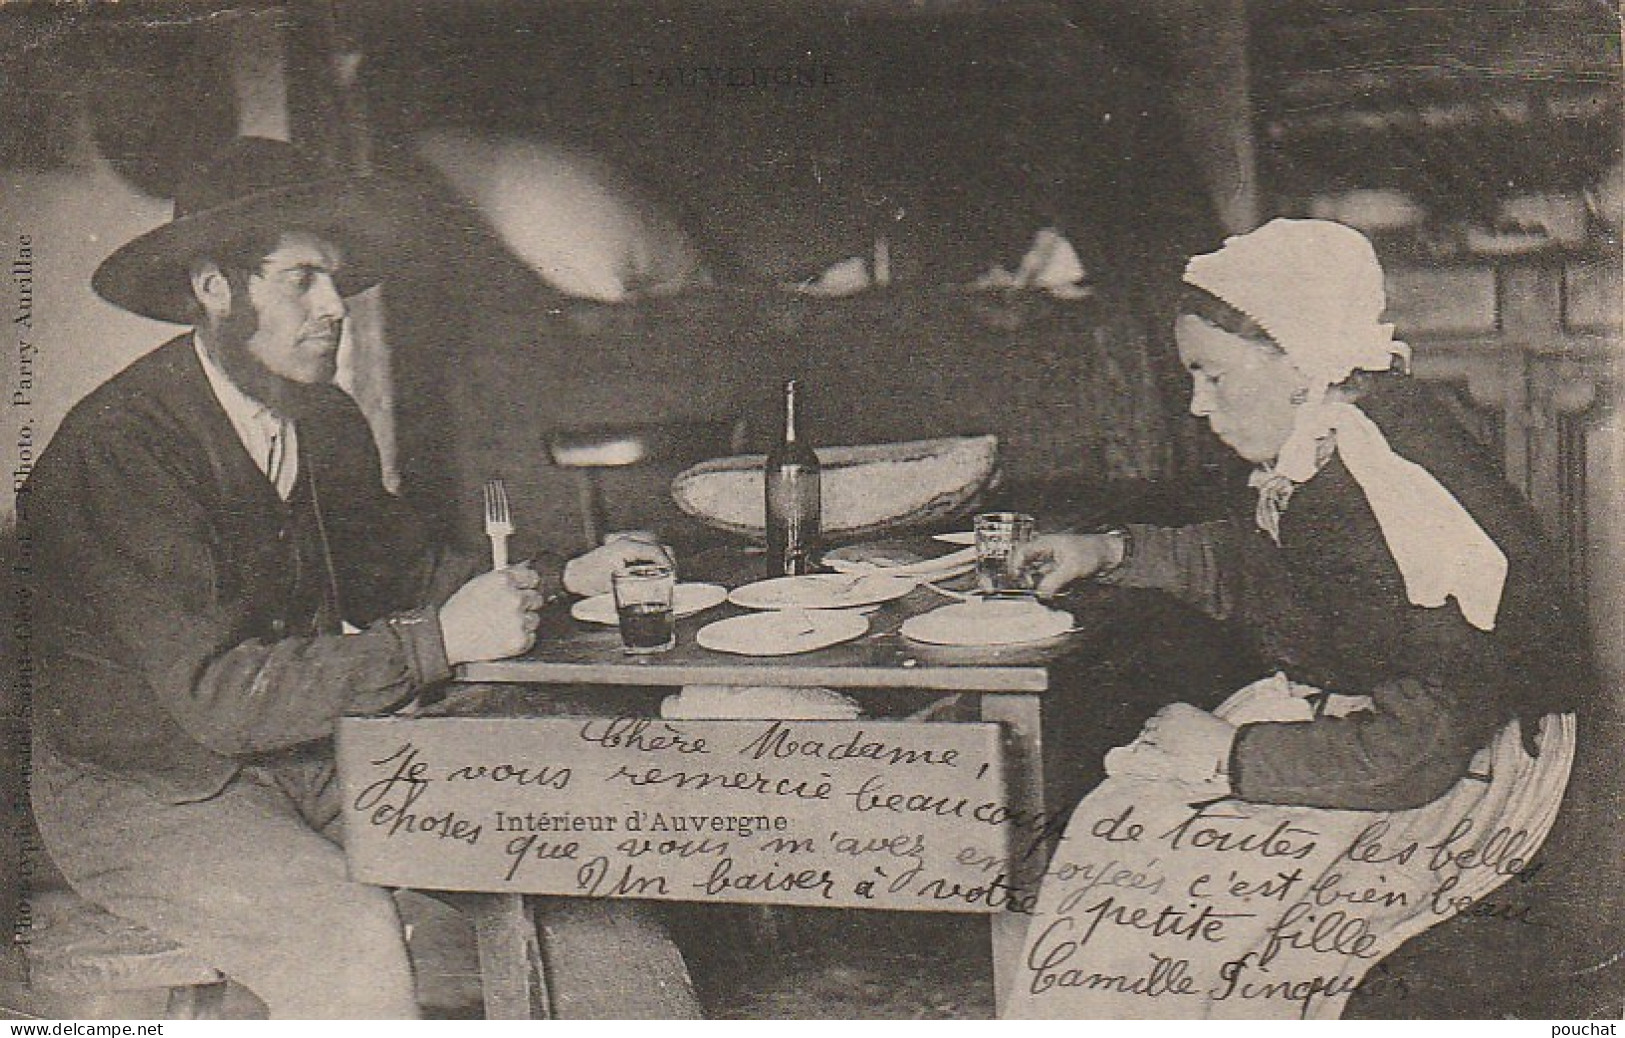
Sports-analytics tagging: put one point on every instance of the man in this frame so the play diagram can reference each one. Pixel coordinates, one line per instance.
(204, 524)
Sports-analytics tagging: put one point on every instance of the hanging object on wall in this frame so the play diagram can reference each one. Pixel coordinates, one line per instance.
(571, 218)
(158, 101)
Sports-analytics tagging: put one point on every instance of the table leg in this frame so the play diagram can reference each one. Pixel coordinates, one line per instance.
(612, 960)
(1024, 777)
(510, 957)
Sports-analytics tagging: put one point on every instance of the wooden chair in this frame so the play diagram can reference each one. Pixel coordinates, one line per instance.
(79, 954)
(591, 452)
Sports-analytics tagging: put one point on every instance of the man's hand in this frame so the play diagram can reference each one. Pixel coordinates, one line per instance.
(589, 574)
(1057, 559)
(492, 616)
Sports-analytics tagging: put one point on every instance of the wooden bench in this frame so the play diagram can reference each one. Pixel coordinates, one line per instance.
(79, 955)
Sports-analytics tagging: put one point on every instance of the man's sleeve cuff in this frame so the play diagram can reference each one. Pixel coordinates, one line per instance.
(424, 646)
(1132, 536)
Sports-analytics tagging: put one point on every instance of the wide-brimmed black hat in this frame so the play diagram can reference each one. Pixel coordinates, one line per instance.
(253, 185)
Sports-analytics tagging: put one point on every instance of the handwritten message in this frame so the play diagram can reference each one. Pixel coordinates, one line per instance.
(852, 814)
(1155, 907)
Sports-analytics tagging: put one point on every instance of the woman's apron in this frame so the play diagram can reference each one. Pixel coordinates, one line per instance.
(1163, 901)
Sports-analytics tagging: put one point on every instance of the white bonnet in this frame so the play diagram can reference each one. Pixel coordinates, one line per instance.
(1317, 289)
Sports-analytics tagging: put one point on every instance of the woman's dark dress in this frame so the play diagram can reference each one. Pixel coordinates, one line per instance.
(1327, 606)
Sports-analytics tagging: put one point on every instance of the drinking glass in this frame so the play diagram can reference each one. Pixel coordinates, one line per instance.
(643, 603)
(997, 536)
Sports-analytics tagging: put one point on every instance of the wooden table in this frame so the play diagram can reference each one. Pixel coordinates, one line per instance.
(1006, 684)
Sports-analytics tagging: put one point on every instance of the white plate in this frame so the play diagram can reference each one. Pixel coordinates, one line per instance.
(782, 632)
(959, 537)
(687, 600)
(821, 591)
(993, 622)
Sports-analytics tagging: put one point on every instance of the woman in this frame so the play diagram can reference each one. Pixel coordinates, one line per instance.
(1384, 557)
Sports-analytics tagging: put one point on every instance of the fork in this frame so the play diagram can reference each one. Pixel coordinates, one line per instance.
(498, 524)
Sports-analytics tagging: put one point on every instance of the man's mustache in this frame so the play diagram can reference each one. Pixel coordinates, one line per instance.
(329, 332)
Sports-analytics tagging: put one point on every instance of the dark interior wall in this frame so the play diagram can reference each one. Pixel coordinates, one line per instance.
(1459, 105)
(134, 78)
(956, 135)
(955, 131)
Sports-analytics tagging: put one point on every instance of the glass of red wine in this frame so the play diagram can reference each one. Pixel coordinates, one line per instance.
(643, 602)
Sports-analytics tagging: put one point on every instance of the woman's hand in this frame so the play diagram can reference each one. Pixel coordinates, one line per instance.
(1056, 560)
(589, 574)
(1179, 743)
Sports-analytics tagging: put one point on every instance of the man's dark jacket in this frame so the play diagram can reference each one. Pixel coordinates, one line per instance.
(186, 618)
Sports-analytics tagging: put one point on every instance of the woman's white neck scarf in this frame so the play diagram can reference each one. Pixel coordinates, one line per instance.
(1316, 287)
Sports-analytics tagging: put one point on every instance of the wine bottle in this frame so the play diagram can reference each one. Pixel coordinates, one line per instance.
(794, 498)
